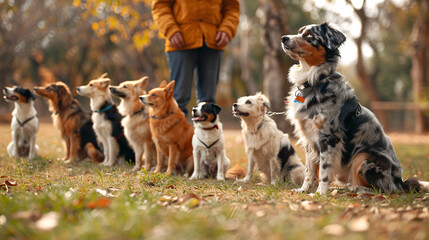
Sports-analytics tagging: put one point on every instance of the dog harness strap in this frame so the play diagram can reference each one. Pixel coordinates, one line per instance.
(211, 145)
(211, 128)
(26, 121)
(104, 109)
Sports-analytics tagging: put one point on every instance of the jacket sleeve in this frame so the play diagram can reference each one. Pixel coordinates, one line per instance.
(162, 12)
(231, 14)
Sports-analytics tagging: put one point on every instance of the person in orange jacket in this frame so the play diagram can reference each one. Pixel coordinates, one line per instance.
(196, 32)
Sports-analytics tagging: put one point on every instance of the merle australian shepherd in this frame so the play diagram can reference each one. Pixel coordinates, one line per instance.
(342, 139)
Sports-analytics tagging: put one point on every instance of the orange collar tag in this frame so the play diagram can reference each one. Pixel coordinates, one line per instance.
(299, 99)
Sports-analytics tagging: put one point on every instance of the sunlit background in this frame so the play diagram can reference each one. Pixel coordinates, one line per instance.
(384, 58)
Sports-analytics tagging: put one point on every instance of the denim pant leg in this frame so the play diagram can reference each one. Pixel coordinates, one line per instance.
(207, 74)
(182, 65)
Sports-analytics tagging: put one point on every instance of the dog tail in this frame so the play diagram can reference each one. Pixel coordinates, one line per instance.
(235, 172)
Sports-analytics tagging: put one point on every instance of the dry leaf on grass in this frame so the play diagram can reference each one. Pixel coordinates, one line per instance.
(48, 221)
(334, 229)
(360, 224)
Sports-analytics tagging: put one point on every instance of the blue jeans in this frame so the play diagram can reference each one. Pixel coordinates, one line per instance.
(206, 62)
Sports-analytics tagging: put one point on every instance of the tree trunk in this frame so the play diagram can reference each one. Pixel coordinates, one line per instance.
(275, 23)
(367, 79)
(420, 59)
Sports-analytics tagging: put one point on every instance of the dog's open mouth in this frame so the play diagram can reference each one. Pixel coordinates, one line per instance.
(196, 118)
(239, 113)
(11, 98)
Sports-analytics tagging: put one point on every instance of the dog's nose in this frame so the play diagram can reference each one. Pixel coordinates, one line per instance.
(285, 38)
(235, 105)
(194, 110)
(35, 88)
(110, 88)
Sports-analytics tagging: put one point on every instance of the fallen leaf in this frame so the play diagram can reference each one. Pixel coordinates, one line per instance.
(310, 206)
(4, 187)
(3, 220)
(99, 203)
(260, 213)
(10, 182)
(360, 224)
(48, 221)
(334, 230)
(190, 200)
(170, 187)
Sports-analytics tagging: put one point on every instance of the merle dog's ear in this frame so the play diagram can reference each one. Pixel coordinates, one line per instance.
(332, 37)
(216, 109)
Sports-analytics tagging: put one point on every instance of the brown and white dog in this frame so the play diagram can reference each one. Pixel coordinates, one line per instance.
(343, 140)
(136, 121)
(25, 123)
(170, 130)
(74, 124)
(107, 121)
(208, 143)
(266, 146)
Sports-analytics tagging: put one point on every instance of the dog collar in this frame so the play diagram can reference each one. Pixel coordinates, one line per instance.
(26, 121)
(138, 111)
(104, 109)
(211, 128)
(155, 117)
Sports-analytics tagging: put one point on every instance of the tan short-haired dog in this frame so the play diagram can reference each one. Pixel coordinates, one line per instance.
(136, 121)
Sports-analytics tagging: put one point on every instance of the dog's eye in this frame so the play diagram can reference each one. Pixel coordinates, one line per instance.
(308, 36)
(153, 95)
(248, 102)
(91, 85)
(124, 86)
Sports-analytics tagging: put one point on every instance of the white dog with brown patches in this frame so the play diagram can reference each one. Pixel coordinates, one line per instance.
(25, 123)
(208, 143)
(266, 146)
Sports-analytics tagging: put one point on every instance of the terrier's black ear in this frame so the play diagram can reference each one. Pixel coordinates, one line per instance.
(216, 109)
(332, 37)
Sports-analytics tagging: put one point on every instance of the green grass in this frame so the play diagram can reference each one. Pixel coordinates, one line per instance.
(95, 202)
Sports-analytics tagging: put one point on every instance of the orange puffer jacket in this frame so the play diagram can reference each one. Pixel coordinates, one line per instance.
(197, 20)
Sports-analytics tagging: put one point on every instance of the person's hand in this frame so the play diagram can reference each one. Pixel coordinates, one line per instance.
(177, 40)
(222, 39)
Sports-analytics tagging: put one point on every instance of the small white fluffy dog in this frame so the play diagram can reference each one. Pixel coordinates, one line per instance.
(25, 123)
(265, 144)
(208, 143)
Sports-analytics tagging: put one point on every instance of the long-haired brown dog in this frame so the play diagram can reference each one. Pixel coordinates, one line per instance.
(74, 124)
(171, 131)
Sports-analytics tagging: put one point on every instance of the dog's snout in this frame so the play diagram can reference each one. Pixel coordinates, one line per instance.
(285, 38)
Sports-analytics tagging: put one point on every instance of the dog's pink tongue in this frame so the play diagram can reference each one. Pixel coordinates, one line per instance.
(196, 118)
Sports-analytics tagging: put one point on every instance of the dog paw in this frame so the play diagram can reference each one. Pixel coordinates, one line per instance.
(322, 189)
(68, 161)
(220, 178)
(299, 190)
(244, 180)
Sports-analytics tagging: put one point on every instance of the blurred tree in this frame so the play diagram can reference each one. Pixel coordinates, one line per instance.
(420, 58)
(368, 78)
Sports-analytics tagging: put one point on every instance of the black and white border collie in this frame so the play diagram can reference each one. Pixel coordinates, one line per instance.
(107, 122)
